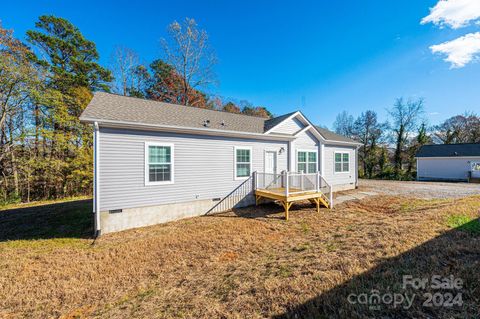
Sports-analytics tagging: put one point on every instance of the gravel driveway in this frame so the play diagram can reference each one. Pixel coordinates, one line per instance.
(419, 189)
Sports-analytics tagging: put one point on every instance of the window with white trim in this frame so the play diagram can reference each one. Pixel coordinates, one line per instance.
(342, 162)
(158, 163)
(307, 162)
(243, 162)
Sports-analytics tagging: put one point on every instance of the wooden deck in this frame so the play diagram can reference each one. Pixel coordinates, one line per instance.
(279, 194)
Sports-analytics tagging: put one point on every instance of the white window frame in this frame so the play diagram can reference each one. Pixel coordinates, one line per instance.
(235, 148)
(172, 164)
(308, 151)
(341, 162)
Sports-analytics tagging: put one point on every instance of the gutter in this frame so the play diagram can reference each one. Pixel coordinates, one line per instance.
(208, 131)
(343, 143)
(96, 179)
(185, 130)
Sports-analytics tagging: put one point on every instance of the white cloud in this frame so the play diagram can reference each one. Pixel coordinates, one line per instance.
(460, 51)
(454, 13)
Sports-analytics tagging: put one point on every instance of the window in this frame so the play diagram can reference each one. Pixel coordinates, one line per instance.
(243, 162)
(158, 163)
(307, 161)
(475, 166)
(342, 162)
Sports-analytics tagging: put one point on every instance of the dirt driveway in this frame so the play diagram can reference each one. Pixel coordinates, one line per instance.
(425, 190)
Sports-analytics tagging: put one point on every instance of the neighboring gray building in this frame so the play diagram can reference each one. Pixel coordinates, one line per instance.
(156, 162)
(448, 162)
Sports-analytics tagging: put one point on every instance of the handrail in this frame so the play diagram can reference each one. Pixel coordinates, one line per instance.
(290, 183)
(236, 196)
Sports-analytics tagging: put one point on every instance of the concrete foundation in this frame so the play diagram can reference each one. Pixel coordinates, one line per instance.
(145, 216)
(436, 179)
(343, 187)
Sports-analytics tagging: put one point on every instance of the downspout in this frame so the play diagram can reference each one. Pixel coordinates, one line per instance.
(356, 167)
(322, 159)
(290, 157)
(96, 179)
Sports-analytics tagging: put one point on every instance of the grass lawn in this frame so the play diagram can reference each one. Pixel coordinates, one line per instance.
(244, 264)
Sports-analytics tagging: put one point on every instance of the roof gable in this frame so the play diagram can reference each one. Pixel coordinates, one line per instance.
(290, 126)
(271, 123)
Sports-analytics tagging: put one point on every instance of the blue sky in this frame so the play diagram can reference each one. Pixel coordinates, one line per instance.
(333, 55)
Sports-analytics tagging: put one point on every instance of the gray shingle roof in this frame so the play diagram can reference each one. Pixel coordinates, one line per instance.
(105, 106)
(449, 150)
(118, 108)
(329, 135)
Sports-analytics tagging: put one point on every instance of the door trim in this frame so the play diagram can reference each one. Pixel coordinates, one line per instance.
(265, 159)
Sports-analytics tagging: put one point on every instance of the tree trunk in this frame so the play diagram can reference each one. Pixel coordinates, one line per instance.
(15, 173)
(5, 195)
(37, 126)
(398, 151)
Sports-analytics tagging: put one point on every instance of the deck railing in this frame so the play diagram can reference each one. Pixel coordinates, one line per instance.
(241, 196)
(291, 183)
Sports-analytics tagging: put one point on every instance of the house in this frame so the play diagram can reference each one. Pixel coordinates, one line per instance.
(155, 162)
(448, 162)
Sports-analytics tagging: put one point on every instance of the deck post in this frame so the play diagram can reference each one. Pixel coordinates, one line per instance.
(331, 196)
(318, 182)
(302, 185)
(255, 180)
(286, 183)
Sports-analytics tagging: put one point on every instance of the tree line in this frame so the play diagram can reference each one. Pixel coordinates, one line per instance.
(388, 148)
(47, 81)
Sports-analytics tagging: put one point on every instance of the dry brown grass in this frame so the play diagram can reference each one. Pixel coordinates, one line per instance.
(236, 266)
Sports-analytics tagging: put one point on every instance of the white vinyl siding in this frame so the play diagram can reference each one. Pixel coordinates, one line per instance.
(454, 168)
(305, 141)
(158, 163)
(203, 167)
(342, 162)
(290, 126)
(243, 162)
(339, 179)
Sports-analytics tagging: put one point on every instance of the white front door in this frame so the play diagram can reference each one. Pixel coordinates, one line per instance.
(271, 162)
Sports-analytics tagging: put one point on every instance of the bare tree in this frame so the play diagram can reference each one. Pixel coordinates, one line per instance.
(189, 53)
(405, 116)
(344, 124)
(459, 129)
(140, 79)
(370, 132)
(124, 63)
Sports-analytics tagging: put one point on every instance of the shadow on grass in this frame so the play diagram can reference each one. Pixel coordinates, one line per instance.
(60, 220)
(269, 210)
(454, 253)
